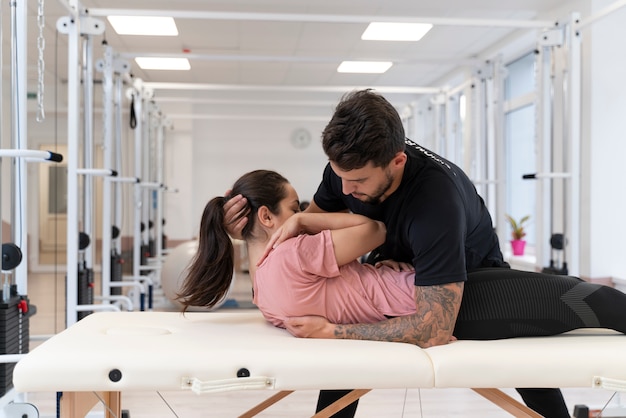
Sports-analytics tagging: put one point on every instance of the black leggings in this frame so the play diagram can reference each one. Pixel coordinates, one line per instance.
(503, 303)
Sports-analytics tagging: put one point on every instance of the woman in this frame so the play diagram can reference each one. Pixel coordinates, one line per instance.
(301, 276)
(317, 273)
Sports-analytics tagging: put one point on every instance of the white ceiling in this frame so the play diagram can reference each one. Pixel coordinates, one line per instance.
(249, 55)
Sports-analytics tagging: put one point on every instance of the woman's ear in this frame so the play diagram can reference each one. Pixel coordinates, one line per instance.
(265, 217)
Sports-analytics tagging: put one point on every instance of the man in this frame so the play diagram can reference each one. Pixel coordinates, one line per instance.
(436, 223)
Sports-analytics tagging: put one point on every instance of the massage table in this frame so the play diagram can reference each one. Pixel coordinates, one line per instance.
(107, 353)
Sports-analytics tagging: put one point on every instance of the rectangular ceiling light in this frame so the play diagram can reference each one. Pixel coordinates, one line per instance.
(387, 31)
(371, 67)
(155, 63)
(144, 25)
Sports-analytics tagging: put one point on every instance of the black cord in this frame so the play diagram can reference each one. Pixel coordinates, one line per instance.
(168, 405)
(133, 117)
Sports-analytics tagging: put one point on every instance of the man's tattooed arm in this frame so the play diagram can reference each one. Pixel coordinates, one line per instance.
(432, 324)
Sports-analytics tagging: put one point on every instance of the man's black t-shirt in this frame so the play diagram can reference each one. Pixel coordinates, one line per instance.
(435, 220)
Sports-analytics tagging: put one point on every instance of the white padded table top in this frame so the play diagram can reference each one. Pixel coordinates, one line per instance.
(159, 350)
(165, 351)
(568, 360)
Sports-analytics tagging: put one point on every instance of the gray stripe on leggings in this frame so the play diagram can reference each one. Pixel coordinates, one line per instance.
(574, 298)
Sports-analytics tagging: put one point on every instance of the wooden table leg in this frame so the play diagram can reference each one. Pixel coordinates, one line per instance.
(78, 404)
(265, 404)
(341, 403)
(113, 404)
(507, 403)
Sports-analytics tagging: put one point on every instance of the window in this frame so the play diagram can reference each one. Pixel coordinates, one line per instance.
(520, 144)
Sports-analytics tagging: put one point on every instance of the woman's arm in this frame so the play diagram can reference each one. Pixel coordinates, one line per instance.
(352, 235)
(351, 242)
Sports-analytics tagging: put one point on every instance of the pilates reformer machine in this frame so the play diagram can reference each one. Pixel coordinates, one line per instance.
(215, 352)
(146, 201)
(15, 307)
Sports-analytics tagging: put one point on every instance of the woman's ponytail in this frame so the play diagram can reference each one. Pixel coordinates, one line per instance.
(211, 271)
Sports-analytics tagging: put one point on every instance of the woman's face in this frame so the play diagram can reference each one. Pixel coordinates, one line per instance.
(289, 206)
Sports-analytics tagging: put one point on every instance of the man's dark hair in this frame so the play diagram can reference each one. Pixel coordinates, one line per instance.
(365, 127)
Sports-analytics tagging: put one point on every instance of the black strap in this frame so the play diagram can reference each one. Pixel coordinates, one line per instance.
(133, 117)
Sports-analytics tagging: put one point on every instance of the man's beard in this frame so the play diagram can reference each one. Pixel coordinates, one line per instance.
(375, 198)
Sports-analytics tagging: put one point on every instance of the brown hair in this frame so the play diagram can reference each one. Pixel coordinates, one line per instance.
(211, 270)
(365, 127)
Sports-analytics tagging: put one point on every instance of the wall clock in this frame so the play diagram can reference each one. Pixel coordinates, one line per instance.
(300, 138)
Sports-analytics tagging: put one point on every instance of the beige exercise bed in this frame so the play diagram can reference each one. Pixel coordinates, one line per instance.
(111, 352)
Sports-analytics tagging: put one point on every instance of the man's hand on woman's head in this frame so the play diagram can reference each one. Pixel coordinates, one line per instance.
(235, 211)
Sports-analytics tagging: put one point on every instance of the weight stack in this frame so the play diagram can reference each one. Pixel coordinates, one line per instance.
(152, 249)
(145, 253)
(85, 290)
(14, 332)
(116, 271)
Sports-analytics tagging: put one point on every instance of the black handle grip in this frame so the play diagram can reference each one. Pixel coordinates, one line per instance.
(57, 158)
(529, 176)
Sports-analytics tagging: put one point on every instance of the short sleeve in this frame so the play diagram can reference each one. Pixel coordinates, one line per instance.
(437, 236)
(316, 254)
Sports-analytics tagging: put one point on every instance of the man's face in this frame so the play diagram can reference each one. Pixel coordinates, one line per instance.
(369, 184)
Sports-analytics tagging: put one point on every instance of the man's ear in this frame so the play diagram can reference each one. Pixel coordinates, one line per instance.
(265, 217)
(399, 160)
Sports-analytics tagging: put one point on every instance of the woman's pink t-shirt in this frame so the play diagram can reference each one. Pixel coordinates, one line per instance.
(301, 277)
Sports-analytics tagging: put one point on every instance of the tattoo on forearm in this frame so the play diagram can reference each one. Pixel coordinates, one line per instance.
(432, 324)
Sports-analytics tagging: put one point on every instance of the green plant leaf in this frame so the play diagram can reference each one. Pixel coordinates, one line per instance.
(517, 227)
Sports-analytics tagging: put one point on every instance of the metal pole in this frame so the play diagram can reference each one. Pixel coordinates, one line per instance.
(159, 213)
(545, 117)
(499, 156)
(19, 190)
(467, 122)
(583, 23)
(71, 26)
(478, 110)
(107, 102)
(573, 113)
(88, 152)
(146, 153)
(310, 17)
(138, 191)
(117, 216)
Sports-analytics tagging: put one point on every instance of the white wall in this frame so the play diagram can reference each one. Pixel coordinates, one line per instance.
(218, 152)
(178, 175)
(607, 111)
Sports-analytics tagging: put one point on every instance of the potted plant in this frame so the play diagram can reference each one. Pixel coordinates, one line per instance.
(517, 234)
